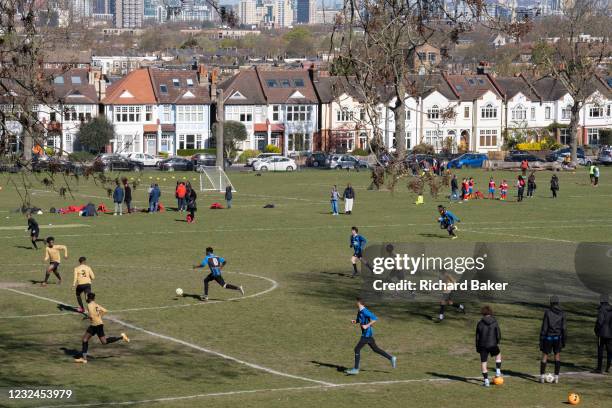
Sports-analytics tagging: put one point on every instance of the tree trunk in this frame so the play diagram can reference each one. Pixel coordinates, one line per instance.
(573, 132)
(399, 115)
(219, 128)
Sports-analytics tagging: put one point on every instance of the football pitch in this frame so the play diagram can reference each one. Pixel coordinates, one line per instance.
(288, 340)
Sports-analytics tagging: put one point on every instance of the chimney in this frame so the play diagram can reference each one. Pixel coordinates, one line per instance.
(313, 73)
(213, 84)
(483, 68)
(202, 74)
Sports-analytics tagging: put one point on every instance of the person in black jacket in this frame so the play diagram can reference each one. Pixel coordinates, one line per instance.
(553, 335)
(349, 197)
(128, 196)
(191, 203)
(603, 331)
(34, 230)
(454, 188)
(488, 336)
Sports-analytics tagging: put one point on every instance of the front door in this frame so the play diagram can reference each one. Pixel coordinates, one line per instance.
(151, 144)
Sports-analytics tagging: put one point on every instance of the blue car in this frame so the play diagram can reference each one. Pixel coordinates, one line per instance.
(468, 160)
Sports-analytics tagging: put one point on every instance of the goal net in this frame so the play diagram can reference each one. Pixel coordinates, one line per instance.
(214, 179)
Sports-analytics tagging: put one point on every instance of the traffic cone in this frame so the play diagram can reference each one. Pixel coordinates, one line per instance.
(419, 200)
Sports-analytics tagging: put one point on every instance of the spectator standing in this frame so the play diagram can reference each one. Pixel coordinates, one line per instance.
(181, 193)
(191, 203)
(228, 196)
(603, 331)
(349, 198)
(128, 196)
(157, 193)
(151, 198)
(524, 167)
(334, 200)
(118, 196)
(454, 188)
(520, 185)
(554, 185)
(531, 184)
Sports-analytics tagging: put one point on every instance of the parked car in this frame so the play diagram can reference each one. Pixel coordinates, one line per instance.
(207, 160)
(345, 161)
(276, 163)
(176, 164)
(260, 156)
(605, 156)
(317, 159)
(520, 156)
(147, 160)
(468, 160)
(554, 155)
(581, 158)
(55, 165)
(115, 162)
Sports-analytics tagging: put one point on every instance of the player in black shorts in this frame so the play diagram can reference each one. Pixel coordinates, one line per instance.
(215, 264)
(34, 230)
(96, 328)
(552, 337)
(488, 336)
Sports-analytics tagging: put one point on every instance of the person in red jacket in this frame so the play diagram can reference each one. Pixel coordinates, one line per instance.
(181, 192)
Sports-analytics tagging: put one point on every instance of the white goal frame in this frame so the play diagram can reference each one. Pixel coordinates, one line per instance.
(208, 180)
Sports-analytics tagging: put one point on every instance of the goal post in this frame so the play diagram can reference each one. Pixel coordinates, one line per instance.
(214, 179)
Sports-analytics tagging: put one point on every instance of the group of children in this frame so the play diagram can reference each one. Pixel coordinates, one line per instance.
(469, 191)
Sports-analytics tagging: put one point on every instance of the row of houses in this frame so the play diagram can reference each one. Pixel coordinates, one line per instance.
(156, 110)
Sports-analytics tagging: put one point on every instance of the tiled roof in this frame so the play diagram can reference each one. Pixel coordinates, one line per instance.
(549, 88)
(288, 86)
(180, 86)
(133, 89)
(511, 86)
(243, 89)
(471, 87)
(72, 86)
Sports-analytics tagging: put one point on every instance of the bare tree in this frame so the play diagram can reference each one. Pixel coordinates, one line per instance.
(572, 60)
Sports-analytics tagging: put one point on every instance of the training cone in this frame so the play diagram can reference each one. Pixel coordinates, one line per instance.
(420, 200)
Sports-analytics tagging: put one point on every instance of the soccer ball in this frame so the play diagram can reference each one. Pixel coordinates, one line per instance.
(498, 380)
(549, 378)
(179, 292)
(573, 399)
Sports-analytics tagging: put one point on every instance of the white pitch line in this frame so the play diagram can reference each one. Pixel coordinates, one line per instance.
(274, 286)
(20, 227)
(283, 389)
(518, 236)
(187, 344)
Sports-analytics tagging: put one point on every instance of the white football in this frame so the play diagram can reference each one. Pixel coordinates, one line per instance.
(179, 292)
(549, 378)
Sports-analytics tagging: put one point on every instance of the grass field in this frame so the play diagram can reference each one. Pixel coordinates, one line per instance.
(286, 342)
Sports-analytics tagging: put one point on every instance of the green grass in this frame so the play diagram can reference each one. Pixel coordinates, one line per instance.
(303, 326)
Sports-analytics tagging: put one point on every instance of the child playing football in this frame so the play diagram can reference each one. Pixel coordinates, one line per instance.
(366, 319)
(503, 188)
(358, 243)
(447, 221)
(491, 189)
(34, 230)
(83, 275)
(215, 264)
(552, 337)
(488, 337)
(96, 328)
(447, 297)
(52, 254)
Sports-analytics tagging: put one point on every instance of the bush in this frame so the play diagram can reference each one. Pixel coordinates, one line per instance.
(81, 156)
(49, 151)
(550, 143)
(247, 154)
(191, 152)
(529, 146)
(360, 152)
(165, 155)
(423, 148)
(272, 149)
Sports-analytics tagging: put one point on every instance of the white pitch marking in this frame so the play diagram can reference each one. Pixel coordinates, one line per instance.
(187, 344)
(264, 390)
(519, 236)
(274, 286)
(19, 227)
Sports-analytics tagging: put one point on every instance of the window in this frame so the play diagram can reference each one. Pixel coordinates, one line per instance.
(298, 83)
(432, 57)
(166, 142)
(246, 117)
(344, 115)
(596, 112)
(176, 83)
(52, 117)
(566, 113)
(433, 112)
(533, 113)
(593, 136)
(299, 142)
(519, 113)
(275, 113)
(298, 113)
(362, 114)
(167, 113)
(58, 80)
(163, 88)
(609, 110)
(547, 112)
(76, 80)
(148, 113)
(127, 113)
(564, 136)
(489, 112)
(189, 82)
(190, 113)
(466, 112)
(285, 83)
(488, 137)
(407, 114)
(434, 138)
(272, 83)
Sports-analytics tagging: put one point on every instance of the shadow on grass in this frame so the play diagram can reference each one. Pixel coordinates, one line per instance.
(190, 295)
(23, 247)
(456, 378)
(519, 374)
(430, 235)
(180, 220)
(67, 308)
(338, 368)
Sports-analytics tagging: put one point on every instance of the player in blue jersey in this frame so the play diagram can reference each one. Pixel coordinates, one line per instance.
(366, 319)
(358, 243)
(447, 221)
(215, 264)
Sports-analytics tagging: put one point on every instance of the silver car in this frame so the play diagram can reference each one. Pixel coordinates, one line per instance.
(605, 156)
(250, 162)
(345, 161)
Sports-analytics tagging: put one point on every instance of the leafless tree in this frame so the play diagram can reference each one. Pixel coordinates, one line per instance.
(573, 61)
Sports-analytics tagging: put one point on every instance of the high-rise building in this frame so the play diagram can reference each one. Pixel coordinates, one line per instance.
(266, 13)
(306, 11)
(129, 13)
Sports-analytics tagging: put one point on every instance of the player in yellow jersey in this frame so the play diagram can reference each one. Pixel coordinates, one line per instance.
(83, 275)
(52, 254)
(96, 328)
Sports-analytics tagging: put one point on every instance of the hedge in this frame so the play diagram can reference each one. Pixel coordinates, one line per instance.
(191, 152)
